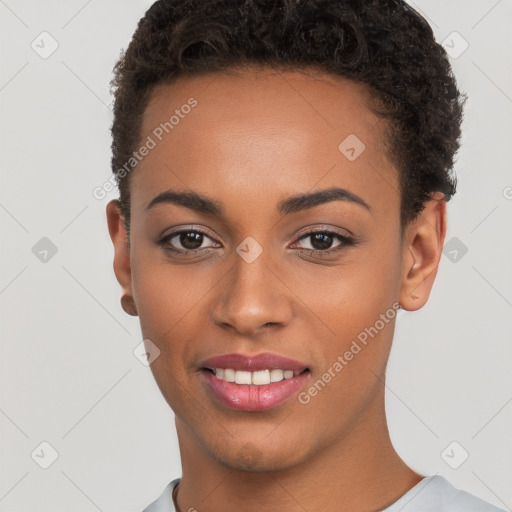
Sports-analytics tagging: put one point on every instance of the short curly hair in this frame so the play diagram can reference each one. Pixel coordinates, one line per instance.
(385, 45)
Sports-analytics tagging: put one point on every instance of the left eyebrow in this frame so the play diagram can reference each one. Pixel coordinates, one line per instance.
(304, 201)
(203, 204)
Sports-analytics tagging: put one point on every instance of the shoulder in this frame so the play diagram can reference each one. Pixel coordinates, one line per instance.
(435, 494)
(164, 502)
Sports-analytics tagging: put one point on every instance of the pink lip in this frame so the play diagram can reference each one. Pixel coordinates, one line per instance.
(253, 363)
(250, 397)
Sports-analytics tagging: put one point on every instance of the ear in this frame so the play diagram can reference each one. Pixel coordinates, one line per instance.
(117, 231)
(422, 251)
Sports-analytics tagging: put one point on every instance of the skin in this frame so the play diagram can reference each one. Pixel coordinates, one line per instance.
(254, 139)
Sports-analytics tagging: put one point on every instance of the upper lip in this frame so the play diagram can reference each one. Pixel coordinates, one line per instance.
(266, 361)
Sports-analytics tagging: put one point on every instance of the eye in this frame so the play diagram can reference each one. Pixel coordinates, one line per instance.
(321, 241)
(186, 241)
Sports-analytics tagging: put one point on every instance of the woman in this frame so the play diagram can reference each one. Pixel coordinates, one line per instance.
(284, 169)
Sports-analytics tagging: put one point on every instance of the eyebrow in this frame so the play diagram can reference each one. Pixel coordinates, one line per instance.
(293, 204)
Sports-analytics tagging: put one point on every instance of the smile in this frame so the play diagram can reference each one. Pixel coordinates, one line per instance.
(253, 382)
(256, 378)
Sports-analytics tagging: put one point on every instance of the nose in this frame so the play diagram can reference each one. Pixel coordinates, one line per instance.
(252, 298)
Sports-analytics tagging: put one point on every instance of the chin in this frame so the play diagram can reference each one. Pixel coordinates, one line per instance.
(257, 456)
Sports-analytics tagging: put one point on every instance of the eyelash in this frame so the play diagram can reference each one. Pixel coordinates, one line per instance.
(346, 241)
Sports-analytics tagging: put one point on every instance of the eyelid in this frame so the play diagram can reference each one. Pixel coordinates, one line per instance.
(324, 228)
(186, 229)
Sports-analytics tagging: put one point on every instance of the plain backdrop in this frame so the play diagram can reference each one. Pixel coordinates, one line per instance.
(69, 377)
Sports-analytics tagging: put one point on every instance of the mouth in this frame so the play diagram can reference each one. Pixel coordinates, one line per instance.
(255, 378)
(253, 383)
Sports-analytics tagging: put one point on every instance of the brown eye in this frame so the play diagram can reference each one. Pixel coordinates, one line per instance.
(321, 241)
(186, 241)
(190, 239)
(325, 242)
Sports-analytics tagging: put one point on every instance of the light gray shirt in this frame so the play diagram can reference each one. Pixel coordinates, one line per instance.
(433, 494)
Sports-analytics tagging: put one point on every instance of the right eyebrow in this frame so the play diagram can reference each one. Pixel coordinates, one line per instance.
(310, 200)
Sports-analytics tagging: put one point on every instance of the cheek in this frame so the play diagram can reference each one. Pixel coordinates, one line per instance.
(354, 357)
(351, 296)
(357, 302)
(166, 307)
(168, 304)
(167, 295)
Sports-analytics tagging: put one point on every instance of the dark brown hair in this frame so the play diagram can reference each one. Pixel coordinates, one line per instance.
(384, 44)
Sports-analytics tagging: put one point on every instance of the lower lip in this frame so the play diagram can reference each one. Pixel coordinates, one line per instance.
(251, 397)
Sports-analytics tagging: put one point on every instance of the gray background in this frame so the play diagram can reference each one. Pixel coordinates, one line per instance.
(68, 373)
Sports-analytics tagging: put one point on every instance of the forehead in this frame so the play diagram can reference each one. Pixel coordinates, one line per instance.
(262, 131)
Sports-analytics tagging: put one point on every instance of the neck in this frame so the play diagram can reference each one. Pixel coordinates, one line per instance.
(359, 471)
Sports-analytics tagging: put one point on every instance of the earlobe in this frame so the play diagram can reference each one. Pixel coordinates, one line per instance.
(122, 267)
(128, 305)
(423, 246)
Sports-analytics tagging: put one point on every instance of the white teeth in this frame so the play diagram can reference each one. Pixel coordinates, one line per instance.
(258, 378)
(243, 377)
(276, 375)
(261, 377)
(229, 375)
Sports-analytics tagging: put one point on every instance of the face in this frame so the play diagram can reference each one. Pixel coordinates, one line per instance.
(259, 270)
